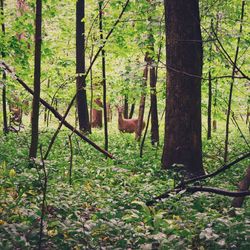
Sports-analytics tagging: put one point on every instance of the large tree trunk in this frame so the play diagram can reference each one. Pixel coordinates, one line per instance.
(37, 83)
(183, 102)
(82, 106)
(4, 106)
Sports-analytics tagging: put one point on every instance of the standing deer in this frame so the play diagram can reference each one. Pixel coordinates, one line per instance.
(97, 114)
(127, 125)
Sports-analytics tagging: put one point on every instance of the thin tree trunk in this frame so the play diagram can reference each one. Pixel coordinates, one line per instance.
(142, 101)
(125, 112)
(232, 84)
(91, 84)
(248, 114)
(154, 110)
(209, 107)
(103, 80)
(215, 106)
(132, 109)
(70, 159)
(44, 187)
(82, 106)
(153, 81)
(5, 119)
(37, 82)
(145, 134)
(182, 143)
(216, 81)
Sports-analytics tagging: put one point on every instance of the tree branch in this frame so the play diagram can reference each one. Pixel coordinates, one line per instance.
(182, 186)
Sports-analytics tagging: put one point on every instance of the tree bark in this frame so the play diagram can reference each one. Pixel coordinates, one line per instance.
(4, 106)
(82, 105)
(182, 144)
(37, 82)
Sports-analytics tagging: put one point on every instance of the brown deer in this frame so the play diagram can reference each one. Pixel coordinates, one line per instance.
(97, 114)
(127, 125)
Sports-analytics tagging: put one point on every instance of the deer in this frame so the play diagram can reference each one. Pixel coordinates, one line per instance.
(127, 125)
(97, 114)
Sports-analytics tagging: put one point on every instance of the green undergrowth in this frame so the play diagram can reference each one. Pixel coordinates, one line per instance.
(105, 208)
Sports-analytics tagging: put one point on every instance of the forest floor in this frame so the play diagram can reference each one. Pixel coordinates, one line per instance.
(105, 208)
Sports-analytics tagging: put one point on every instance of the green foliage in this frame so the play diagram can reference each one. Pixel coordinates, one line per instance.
(105, 206)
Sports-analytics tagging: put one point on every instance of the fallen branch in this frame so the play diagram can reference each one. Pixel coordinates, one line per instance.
(221, 169)
(182, 186)
(195, 189)
(55, 113)
(217, 191)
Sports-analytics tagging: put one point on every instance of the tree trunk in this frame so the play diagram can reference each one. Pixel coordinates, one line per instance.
(243, 186)
(4, 106)
(105, 118)
(142, 101)
(125, 112)
(209, 107)
(132, 109)
(37, 82)
(154, 110)
(153, 80)
(91, 84)
(153, 99)
(183, 100)
(82, 106)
